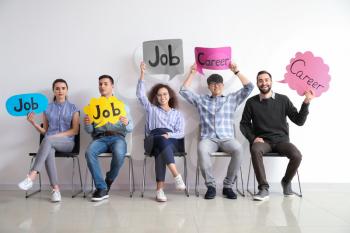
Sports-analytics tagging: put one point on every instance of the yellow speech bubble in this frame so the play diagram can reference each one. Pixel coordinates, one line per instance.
(103, 110)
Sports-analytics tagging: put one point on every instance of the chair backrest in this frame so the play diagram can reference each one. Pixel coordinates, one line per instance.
(76, 148)
(128, 139)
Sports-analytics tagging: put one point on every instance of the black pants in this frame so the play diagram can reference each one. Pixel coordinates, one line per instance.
(286, 148)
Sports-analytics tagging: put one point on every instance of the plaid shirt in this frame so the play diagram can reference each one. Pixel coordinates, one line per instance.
(156, 117)
(217, 113)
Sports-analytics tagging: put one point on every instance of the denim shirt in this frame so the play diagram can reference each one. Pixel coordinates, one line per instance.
(59, 117)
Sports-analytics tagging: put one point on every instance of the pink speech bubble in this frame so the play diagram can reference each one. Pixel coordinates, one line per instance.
(307, 72)
(212, 58)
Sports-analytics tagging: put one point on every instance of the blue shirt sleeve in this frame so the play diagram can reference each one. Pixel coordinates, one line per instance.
(141, 95)
(179, 129)
(240, 95)
(190, 96)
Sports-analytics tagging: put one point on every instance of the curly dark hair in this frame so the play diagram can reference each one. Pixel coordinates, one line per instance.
(152, 96)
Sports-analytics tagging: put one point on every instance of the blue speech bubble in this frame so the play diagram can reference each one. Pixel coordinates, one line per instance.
(21, 105)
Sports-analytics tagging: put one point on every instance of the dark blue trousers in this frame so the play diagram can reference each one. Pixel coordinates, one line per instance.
(163, 150)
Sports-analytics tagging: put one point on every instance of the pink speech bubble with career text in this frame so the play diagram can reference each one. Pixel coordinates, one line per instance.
(307, 72)
(212, 58)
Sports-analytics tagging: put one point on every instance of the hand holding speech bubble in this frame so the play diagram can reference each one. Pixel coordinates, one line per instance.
(164, 57)
(307, 72)
(103, 110)
(21, 105)
(212, 58)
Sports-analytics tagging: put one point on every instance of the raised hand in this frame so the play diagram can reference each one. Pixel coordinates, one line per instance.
(193, 69)
(143, 70)
(309, 95)
(233, 67)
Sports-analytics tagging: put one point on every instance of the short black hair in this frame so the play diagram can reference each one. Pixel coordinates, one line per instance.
(263, 72)
(215, 78)
(106, 76)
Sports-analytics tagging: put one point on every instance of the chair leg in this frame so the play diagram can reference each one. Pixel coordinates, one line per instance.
(80, 178)
(300, 194)
(92, 185)
(185, 174)
(197, 181)
(131, 177)
(73, 172)
(85, 181)
(86, 193)
(236, 180)
(254, 181)
(242, 182)
(73, 177)
(144, 176)
(248, 190)
(38, 190)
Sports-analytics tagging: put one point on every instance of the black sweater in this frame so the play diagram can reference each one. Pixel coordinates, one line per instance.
(268, 118)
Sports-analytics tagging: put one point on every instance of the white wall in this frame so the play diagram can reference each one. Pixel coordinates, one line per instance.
(79, 40)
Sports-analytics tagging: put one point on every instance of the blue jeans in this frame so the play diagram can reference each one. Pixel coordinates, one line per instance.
(115, 144)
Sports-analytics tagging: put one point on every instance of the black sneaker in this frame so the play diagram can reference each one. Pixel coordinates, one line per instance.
(109, 184)
(211, 193)
(228, 192)
(99, 195)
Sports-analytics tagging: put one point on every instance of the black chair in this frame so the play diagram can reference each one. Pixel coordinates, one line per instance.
(128, 139)
(220, 154)
(74, 155)
(275, 155)
(176, 154)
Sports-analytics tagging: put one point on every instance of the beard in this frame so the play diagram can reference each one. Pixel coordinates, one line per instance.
(264, 91)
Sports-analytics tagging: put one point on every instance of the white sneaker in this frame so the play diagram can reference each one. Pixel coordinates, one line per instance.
(179, 183)
(26, 184)
(55, 196)
(160, 196)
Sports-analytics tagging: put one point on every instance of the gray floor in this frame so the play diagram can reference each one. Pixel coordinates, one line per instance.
(322, 209)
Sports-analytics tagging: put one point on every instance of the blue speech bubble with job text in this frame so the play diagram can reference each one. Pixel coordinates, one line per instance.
(21, 105)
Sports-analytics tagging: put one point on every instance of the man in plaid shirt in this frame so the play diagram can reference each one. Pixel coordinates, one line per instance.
(216, 113)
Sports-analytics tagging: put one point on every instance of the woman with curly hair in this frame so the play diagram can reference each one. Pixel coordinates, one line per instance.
(164, 130)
